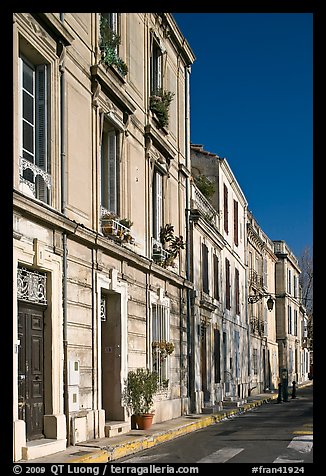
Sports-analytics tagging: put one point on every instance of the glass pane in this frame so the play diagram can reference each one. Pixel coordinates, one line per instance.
(28, 108)
(28, 175)
(28, 74)
(28, 142)
(28, 156)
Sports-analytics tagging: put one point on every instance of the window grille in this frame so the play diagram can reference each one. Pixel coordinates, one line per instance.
(31, 286)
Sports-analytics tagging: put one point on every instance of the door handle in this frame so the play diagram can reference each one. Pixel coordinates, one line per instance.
(22, 377)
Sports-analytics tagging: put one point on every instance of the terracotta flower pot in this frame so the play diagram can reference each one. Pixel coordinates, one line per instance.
(144, 421)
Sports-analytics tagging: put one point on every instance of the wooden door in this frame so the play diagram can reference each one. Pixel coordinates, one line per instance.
(31, 369)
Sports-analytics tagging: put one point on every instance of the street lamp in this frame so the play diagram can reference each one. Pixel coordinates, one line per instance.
(257, 297)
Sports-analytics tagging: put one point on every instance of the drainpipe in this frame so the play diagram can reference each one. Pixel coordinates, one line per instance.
(188, 257)
(64, 235)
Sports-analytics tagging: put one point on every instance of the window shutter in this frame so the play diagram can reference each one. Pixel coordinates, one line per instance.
(41, 117)
(112, 159)
(159, 69)
(216, 278)
(237, 291)
(217, 356)
(205, 268)
(41, 136)
(236, 219)
(265, 272)
(226, 218)
(157, 204)
(227, 284)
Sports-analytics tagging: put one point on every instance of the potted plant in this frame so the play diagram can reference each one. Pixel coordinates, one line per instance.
(159, 104)
(141, 385)
(162, 348)
(109, 42)
(171, 244)
(117, 228)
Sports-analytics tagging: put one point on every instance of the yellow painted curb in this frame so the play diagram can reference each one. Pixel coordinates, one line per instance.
(146, 442)
(99, 456)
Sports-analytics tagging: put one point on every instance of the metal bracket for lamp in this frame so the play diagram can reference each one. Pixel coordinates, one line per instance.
(258, 297)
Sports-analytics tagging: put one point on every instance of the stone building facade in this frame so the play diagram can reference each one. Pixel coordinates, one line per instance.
(222, 322)
(264, 368)
(291, 319)
(97, 172)
(104, 183)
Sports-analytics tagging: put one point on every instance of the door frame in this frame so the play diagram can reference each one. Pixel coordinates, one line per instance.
(27, 309)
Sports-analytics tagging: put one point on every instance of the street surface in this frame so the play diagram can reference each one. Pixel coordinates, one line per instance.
(272, 433)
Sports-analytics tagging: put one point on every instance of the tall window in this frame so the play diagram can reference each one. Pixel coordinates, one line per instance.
(289, 282)
(112, 20)
(295, 323)
(216, 278)
(110, 169)
(237, 352)
(289, 319)
(217, 356)
(237, 291)
(34, 160)
(160, 333)
(235, 222)
(226, 209)
(227, 284)
(156, 68)
(255, 361)
(205, 268)
(295, 286)
(157, 204)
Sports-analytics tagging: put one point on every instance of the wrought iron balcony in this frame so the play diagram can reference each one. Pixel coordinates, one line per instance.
(159, 254)
(200, 203)
(255, 279)
(257, 326)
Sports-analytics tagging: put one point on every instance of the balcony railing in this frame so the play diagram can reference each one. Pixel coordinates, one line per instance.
(159, 254)
(255, 279)
(35, 171)
(200, 202)
(257, 326)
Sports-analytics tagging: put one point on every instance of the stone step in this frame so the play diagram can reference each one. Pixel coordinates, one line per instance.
(207, 409)
(115, 428)
(38, 448)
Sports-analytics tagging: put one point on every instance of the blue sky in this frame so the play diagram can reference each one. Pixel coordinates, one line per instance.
(251, 89)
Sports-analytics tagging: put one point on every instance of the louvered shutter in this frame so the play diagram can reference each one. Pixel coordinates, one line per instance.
(235, 226)
(226, 211)
(41, 135)
(112, 159)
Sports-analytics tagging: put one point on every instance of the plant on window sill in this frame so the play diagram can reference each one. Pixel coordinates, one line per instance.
(117, 228)
(206, 187)
(171, 243)
(163, 348)
(159, 104)
(109, 43)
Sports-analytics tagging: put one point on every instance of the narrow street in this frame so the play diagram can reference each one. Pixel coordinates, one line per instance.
(272, 433)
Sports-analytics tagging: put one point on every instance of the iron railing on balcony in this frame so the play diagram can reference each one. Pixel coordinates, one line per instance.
(257, 326)
(34, 177)
(159, 254)
(200, 202)
(255, 279)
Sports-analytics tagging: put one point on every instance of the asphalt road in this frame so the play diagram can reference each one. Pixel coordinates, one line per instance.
(271, 433)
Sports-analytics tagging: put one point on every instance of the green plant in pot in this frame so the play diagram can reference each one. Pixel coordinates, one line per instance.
(141, 385)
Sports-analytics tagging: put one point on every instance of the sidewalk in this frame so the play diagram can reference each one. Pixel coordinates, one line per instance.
(109, 449)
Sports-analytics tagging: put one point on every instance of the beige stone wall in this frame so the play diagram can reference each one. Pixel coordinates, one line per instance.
(95, 264)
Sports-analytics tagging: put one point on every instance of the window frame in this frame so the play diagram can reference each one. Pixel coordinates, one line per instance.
(157, 203)
(110, 188)
(161, 332)
(156, 68)
(35, 163)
